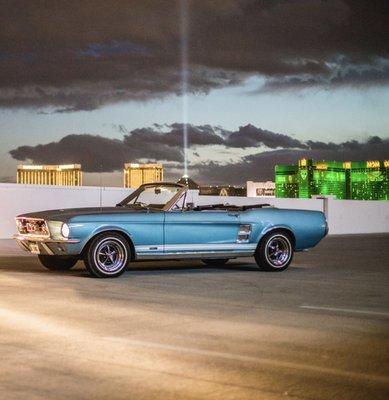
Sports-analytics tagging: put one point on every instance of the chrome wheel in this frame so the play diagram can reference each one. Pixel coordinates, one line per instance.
(278, 251)
(110, 255)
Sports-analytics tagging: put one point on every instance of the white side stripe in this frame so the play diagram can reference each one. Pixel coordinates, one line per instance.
(197, 247)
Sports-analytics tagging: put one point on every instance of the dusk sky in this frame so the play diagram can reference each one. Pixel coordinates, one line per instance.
(99, 83)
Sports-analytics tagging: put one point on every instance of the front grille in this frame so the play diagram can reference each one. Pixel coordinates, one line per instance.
(32, 226)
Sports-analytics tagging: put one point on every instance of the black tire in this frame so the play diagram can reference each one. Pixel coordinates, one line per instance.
(57, 263)
(108, 255)
(215, 262)
(275, 252)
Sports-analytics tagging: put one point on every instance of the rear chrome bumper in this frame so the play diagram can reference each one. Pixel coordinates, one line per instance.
(44, 245)
(326, 229)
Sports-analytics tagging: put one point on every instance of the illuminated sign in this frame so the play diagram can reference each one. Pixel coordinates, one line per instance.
(69, 166)
(31, 167)
(303, 162)
(49, 167)
(347, 165)
(322, 166)
(372, 164)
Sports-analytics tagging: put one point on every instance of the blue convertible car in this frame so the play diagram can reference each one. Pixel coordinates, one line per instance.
(156, 222)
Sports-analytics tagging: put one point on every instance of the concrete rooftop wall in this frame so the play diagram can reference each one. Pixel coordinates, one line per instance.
(344, 216)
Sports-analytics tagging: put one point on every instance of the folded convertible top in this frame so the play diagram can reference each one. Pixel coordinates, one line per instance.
(230, 207)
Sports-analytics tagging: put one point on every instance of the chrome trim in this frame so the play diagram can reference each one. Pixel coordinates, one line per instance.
(47, 249)
(172, 202)
(169, 204)
(244, 233)
(326, 228)
(210, 246)
(149, 248)
(194, 255)
(195, 248)
(278, 250)
(175, 199)
(40, 239)
(110, 255)
(23, 245)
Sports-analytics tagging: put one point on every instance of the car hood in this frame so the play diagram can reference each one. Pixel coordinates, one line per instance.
(68, 213)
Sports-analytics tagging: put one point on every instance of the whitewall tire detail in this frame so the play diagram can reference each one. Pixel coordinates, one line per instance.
(108, 255)
(275, 252)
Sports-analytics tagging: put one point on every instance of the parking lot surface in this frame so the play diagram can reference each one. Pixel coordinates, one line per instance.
(180, 330)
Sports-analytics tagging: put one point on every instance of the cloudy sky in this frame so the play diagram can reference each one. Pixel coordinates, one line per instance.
(99, 83)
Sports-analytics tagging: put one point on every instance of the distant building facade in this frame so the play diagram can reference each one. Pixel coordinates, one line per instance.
(222, 190)
(217, 190)
(138, 174)
(367, 180)
(261, 189)
(59, 175)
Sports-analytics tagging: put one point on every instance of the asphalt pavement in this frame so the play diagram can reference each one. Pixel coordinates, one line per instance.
(180, 330)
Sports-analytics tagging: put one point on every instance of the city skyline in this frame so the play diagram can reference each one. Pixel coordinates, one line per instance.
(264, 89)
(114, 152)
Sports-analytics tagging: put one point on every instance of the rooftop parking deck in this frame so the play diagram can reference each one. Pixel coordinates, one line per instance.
(319, 330)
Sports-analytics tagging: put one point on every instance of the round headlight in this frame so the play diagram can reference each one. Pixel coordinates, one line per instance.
(65, 230)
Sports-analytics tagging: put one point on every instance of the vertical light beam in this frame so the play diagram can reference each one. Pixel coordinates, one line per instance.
(184, 77)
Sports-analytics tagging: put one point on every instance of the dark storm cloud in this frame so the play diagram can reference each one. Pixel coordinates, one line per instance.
(95, 153)
(198, 135)
(361, 76)
(164, 143)
(70, 56)
(205, 135)
(251, 136)
(260, 166)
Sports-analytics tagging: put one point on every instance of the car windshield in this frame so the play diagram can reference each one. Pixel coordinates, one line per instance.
(152, 196)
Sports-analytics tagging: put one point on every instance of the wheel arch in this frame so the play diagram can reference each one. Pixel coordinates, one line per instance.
(112, 229)
(283, 229)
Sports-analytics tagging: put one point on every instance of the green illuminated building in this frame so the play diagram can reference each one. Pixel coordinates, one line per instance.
(368, 180)
(287, 182)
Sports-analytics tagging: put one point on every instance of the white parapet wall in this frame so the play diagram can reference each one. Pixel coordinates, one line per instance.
(17, 199)
(344, 216)
(354, 216)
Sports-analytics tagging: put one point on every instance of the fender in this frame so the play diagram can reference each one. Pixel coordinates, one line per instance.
(271, 228)
(106, 228)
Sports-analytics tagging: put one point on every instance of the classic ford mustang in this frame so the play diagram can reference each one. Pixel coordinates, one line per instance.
(157, 222)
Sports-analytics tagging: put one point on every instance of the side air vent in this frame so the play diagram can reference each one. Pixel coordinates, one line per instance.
(243, 234)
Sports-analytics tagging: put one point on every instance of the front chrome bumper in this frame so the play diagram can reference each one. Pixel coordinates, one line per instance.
(44, 245)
